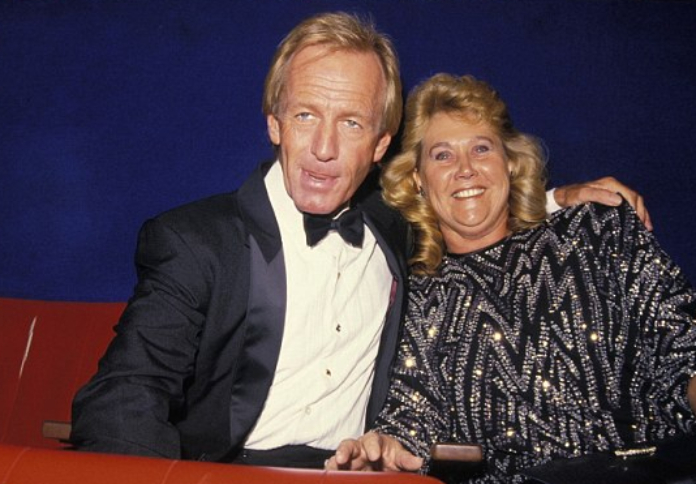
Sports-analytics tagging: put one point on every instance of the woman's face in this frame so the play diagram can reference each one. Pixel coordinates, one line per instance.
(464, 174)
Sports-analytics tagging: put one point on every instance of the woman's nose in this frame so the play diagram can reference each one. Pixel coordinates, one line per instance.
(465, 167)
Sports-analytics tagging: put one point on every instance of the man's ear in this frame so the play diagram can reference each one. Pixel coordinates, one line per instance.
(273, 129)
(381, 147)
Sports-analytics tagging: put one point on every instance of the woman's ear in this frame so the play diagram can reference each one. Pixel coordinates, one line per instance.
(417, 181)
(511, 165)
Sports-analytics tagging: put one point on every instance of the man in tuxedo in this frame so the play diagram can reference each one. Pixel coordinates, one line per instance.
(264, 321)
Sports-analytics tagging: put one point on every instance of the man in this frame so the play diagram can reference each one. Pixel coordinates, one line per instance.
(248, 340)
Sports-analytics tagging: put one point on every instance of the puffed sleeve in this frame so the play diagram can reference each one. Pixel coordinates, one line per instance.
(663, 302)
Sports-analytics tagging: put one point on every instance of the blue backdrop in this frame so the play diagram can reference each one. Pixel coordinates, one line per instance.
(113, 111)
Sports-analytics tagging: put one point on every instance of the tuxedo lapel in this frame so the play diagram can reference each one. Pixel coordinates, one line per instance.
(257, 213)
(266, 308)
(263, 336)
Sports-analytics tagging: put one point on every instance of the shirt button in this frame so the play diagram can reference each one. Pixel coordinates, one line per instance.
(338, 328)
(308, 410)
(328, 372)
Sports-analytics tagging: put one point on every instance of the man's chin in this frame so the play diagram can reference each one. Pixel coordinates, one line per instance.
(315, 208)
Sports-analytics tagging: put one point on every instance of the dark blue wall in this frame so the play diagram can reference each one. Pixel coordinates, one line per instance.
(112, 111)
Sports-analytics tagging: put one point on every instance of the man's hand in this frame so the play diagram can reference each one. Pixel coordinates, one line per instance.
(603, 191)
(373, 452)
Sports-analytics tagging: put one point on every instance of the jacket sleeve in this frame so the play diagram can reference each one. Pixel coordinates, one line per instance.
(129, 405)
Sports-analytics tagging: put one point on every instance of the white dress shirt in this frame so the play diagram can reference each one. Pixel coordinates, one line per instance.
(337, 298)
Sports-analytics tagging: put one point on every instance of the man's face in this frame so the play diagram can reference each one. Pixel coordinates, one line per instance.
(328, 128)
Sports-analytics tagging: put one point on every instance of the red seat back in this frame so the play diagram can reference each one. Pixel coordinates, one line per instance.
(48, 350)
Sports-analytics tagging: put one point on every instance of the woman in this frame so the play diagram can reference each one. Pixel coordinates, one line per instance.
(538, 339)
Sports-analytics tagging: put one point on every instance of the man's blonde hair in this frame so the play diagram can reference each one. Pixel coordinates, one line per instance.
(340, 31)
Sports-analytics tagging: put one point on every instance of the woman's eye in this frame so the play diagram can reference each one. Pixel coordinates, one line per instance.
(481, 149)
(442, 155)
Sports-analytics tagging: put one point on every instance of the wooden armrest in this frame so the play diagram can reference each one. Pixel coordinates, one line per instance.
(452, 462)
(53, 429)
(452, 452)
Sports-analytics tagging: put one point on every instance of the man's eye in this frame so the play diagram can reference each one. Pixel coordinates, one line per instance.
(351, 123)
(303, 116)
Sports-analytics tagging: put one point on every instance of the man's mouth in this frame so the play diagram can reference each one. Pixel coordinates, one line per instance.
(314, 176)
(318, 179)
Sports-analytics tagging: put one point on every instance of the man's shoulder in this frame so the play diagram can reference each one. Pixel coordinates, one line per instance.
(221, 205)
(211, 220)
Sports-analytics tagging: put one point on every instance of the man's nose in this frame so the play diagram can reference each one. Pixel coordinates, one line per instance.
(325, 142)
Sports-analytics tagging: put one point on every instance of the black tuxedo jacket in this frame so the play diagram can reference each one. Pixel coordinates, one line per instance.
(189, 369)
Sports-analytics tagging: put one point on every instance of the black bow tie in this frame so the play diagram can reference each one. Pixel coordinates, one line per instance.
(349, 226)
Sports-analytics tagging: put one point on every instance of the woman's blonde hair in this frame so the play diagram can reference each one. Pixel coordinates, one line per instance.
(340, 31)
(475, 101)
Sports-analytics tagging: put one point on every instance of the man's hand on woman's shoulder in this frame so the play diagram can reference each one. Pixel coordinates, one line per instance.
(605, 191)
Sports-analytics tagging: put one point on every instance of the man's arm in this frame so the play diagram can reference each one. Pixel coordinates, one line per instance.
(604, 191)
(127, 406)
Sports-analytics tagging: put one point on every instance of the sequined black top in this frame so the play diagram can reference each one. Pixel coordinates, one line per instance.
(574, 337)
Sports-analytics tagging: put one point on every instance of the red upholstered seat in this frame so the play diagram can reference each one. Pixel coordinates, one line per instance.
(47, 351)
(28, 465)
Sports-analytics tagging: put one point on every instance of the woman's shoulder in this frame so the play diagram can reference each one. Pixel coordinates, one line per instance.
(594, 218)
